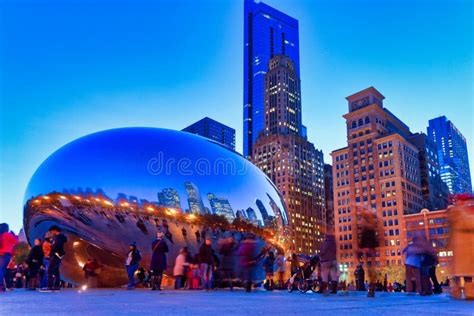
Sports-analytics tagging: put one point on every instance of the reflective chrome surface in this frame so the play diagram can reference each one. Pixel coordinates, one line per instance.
(118, 186)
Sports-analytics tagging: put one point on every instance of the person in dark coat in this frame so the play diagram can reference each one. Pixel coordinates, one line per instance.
(360, 278)
(131, 264)
(328, 259)
(268, 265)
(206, 263)
(367, 244)
(158, 260)
(227, 251)
(56, 255)
(248, 260)
(34, 261)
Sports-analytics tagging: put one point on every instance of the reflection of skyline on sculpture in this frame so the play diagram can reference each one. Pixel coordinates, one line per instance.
(170, 198)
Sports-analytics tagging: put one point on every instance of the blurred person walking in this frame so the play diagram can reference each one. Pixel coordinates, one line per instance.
(247, 253)
(269, 267)
(280, 269)
(461, 241)
(360, 278)
(328, 259)
(367, 244)
(158, 260)
(227, 250)
(180, 268)
(413, 254)
(8, 241)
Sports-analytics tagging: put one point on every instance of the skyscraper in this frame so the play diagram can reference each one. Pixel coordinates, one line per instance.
(194, 199)
(378, 171)
(289, 159)
(214, 130)
(169, 197)
(435, 191)
(221, 206)
(267, 32)
(452, 154)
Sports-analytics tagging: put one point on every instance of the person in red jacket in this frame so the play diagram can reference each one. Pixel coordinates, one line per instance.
(8, 241)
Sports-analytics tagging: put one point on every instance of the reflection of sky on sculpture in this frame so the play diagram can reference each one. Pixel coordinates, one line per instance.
(116, 161)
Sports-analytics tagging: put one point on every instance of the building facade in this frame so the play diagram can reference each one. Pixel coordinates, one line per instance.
(452, 154)
(195, 203)
(267, 32)
(221, 206)
(329, 197)
(214, 130)
(289, 159)
(435, 191)
(169, 197)
(378, 171)
(435, 226)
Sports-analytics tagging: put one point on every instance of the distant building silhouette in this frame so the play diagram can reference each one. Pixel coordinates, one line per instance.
(214, 130)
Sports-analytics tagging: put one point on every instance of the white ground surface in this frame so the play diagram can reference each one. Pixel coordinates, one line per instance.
(223, 302)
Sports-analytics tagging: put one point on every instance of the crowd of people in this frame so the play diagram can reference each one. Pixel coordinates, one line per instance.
(228, 260)
(232, 262)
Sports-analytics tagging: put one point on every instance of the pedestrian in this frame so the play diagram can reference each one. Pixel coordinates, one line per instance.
(91, 269)
(206, 263)
(280, 268)
(268, 265)
(227, 252)
(429, 260)
(367, 245)
(294, 265)
(35, 261)
(44, 269)
(248, 260)
(131, 264)
(8, 241)
(158, 260)
(180, 268)
(412, 266)
(360, 277)
(329, 265)
(57, 253)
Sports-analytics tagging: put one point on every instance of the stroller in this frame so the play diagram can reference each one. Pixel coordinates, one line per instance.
(304, 279)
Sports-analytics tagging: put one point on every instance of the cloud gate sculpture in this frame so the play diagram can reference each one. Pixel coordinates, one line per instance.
(108, 189)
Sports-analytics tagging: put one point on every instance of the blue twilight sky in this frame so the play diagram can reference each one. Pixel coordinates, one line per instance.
(72, 67)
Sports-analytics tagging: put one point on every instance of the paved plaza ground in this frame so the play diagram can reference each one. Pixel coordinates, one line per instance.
(168, 302)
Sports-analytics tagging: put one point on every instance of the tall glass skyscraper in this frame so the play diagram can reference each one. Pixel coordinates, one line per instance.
(452, 154)
(267, 32)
